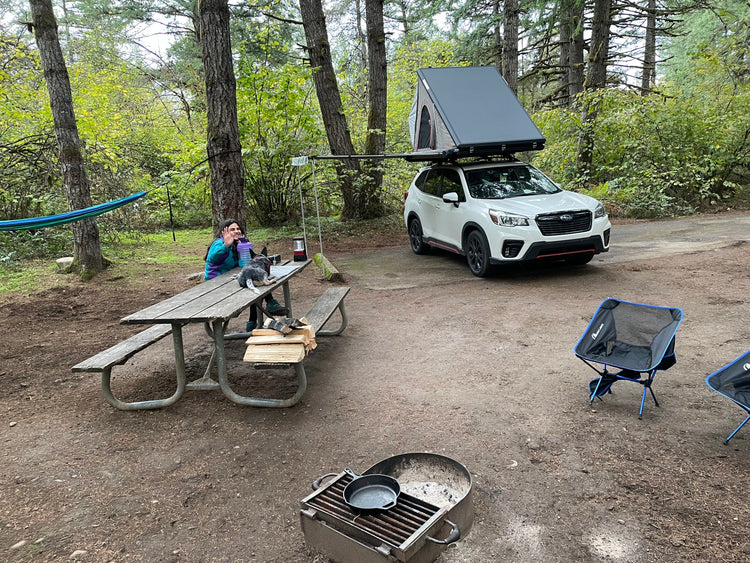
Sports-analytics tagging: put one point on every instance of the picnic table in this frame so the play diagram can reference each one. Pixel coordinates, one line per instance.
(213, 303)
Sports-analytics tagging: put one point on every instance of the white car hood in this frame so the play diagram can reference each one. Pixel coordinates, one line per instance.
(534, 205)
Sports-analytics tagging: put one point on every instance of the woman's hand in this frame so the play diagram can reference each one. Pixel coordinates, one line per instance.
(227, 236)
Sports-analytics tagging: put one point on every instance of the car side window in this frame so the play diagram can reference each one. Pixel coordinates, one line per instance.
(419, 182)
(432, 183)
(452, 183)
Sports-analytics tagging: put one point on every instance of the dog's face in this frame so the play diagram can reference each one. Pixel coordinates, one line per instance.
(264, 261)
(253, 271)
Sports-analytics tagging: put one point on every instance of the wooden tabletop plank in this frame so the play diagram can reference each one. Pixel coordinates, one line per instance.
(219, 298)
(176, 301)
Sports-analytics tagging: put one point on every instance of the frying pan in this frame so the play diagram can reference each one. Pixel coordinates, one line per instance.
(372, 492)
(367, 493)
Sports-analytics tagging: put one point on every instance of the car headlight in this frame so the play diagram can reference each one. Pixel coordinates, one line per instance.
(508, 219)
(599, 211)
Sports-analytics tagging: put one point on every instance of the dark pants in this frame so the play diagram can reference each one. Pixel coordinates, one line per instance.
(254, 309)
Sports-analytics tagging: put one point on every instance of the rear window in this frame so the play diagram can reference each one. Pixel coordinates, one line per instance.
(508, 181)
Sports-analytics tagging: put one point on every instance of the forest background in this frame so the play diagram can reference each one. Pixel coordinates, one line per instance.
(645, 105)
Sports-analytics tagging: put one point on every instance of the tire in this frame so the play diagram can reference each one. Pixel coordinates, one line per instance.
(418, 246)
(478, 254)
(579, 259)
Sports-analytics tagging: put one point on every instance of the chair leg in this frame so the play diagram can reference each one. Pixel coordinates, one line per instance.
(736, 430)
(654, 396)
(647, 385)
(593, 395)
(643, 400)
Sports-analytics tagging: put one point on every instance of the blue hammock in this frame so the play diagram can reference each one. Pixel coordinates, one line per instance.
(61, 219)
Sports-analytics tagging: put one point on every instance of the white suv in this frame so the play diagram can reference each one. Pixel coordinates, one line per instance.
(500, 213)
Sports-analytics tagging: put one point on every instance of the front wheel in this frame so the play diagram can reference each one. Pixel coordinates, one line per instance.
(478, 254)
(418, 246)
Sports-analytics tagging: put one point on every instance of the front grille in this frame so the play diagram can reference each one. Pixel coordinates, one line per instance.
(564, 223)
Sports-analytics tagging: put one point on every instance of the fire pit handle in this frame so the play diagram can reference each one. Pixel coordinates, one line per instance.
(454, 536)
(319, 480)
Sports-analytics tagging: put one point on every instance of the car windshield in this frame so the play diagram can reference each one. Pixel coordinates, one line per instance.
(508, 181)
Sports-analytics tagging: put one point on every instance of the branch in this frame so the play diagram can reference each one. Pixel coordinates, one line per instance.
(282, 20)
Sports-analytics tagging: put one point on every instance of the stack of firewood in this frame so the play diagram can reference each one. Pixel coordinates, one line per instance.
(267, 345)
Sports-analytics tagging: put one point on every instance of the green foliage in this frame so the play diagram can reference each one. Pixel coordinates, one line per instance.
(277, 121)
(143, 126)
(27, 145)
(52, 242)
(680, 160)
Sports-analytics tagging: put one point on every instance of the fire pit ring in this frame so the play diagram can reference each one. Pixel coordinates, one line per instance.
(433, 478)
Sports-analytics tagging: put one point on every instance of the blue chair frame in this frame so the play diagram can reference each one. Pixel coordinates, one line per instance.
(733, 382)
(633, 338)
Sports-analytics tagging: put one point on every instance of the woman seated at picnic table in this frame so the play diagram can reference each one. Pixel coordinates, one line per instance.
(223, 256)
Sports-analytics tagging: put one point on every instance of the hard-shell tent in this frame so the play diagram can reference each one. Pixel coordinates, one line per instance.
(469, 111)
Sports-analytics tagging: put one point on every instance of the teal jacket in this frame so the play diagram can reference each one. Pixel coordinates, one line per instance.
(220, 259)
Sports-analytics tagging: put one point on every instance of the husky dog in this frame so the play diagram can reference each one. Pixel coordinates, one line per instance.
(256, 271)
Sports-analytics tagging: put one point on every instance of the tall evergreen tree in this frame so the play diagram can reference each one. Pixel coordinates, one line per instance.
(596, 79)
(223, 138)
(377, 94)
(88, 252)
(510, 44)
(329, 98)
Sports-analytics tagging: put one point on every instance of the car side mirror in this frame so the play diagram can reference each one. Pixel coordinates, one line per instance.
(451, 197)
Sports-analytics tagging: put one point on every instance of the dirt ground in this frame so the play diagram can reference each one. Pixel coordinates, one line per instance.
(479, 370)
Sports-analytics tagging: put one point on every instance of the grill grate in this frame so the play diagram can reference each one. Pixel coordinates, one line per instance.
(564, 223)
(395, 527)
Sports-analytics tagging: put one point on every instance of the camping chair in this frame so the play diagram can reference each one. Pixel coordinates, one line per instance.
(733, 381)
(637, 339)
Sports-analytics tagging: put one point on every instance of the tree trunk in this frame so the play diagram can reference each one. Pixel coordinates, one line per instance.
(596, 79)
(510, 44)
(597, 70)
(369, 204)
(222, 130)
(88, 250)
(361, 35)
(571, 51)
(576, 62)
(565, 48)
(497, 37)
(649, 55)
(329, 99)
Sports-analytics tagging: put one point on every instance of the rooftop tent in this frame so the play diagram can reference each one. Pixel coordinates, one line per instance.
(469, 111)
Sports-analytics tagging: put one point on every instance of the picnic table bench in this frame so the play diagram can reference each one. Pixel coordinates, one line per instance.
(271, 355)
(213, 303)
(119, 354)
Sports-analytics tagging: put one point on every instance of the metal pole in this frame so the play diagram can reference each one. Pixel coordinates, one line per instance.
(302, 207)
(317, 211)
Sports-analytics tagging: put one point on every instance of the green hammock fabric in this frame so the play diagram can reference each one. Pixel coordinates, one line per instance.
(61, 219)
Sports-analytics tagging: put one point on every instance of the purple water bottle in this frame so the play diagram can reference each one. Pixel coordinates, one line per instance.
(243, 247)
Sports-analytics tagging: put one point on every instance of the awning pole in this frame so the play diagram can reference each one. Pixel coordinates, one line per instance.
(317, 209)
(301, 202)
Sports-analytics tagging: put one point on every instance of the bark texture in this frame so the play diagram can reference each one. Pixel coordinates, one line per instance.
(510, 44)
(222, 131)
(329, 99)
(88, 252)
(649, 56)
(571, 52)
(369, 204)
(596, 79)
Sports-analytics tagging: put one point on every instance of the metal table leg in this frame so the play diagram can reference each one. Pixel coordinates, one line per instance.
(218, 330)
(206, 383)
(179, 361)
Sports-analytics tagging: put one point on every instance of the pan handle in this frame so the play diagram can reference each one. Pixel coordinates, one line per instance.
(454, 536)
(319, 480)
